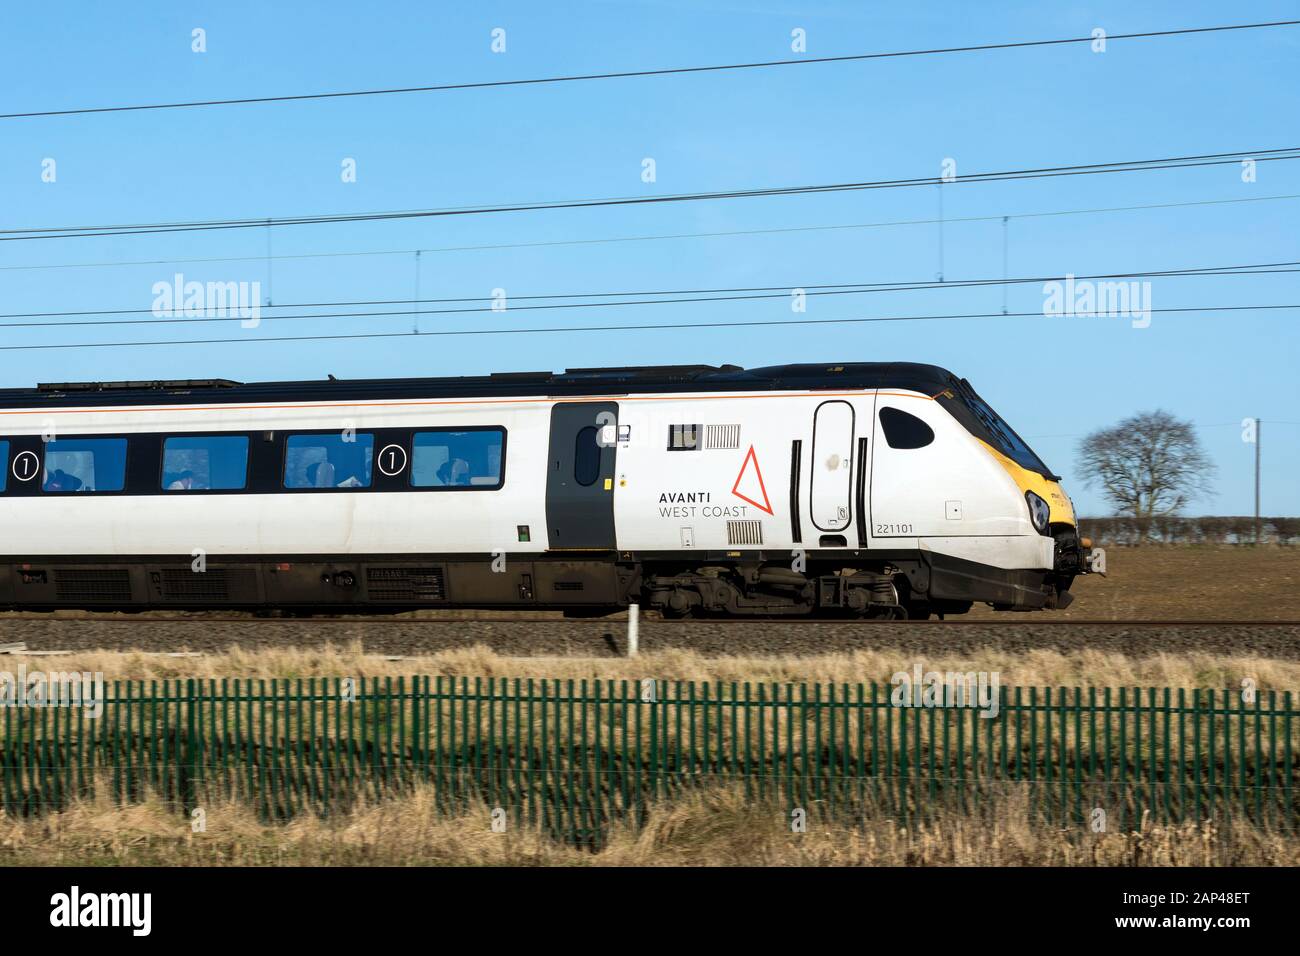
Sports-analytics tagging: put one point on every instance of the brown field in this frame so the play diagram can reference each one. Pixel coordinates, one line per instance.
(1187, 582)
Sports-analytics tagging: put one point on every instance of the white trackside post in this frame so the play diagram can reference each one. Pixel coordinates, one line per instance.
(633, 616)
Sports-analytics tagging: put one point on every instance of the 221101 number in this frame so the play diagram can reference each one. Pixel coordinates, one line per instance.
(887, 529)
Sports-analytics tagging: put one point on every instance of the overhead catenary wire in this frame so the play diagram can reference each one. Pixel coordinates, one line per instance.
(628, 328)
(623, 298)
(1086, 169)
(1196, 424)
(600, 240)
(630, 74)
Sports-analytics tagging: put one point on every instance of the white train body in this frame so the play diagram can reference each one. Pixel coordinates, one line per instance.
(851, 489)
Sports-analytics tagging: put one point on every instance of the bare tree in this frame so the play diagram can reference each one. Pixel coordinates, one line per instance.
(1149, 466)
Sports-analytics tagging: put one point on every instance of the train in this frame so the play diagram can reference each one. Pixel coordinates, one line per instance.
(865, 490)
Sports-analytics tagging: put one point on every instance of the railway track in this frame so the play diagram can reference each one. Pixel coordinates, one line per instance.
(607, 636)
(620, 621)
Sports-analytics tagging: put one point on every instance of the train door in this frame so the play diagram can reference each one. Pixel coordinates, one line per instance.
(580, 476)
(831, 467)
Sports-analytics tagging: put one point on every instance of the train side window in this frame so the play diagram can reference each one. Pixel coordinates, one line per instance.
(329, 460)
(683, 437)
(586, 456)
(4, 464)
(85, 464)
(205, 462)
(446, 458)
(903, 430)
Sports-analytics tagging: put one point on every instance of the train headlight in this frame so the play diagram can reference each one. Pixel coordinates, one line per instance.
(1039, 512)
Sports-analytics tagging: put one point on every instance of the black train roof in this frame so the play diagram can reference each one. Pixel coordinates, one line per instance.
(571, 382)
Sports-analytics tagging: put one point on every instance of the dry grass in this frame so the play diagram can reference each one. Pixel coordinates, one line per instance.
(705, 828)
(1040, 668)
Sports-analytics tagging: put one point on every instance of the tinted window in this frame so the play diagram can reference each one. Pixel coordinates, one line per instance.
(332, 460)
(449, 459)
(202, 462)
(586, 456)
(903, 430)
(1002, 437)
(85, 464)
(4, 464)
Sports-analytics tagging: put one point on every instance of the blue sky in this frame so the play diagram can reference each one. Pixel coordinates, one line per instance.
(1054, 378)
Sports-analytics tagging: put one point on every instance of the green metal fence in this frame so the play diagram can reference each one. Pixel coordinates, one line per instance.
(573, 756)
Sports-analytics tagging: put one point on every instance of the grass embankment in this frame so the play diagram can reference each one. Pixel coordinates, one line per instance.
(704, 828)
(1035, 668)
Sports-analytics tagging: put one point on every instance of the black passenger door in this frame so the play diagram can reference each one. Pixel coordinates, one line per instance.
(580, 476)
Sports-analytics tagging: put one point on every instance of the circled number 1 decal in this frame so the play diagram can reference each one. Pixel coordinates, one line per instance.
(392, 460)
(26, 465)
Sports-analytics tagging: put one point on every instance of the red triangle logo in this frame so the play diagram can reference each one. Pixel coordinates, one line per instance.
(766, 504)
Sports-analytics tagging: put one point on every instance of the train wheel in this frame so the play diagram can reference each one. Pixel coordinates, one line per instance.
(881, 612)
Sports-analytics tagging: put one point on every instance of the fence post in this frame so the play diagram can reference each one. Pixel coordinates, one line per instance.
(633, 620)
(189, 794)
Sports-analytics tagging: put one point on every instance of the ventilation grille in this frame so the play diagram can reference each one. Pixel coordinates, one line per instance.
(406, 584)
(214, 584)
(568, 585)
(744, 532)
(722, 436)
(93, 585)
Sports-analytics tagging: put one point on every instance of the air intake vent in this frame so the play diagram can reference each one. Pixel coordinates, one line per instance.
(744, 532)
(214, 584)
(568, 585)
(93, 585)
(722, 436)
(406, 584)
